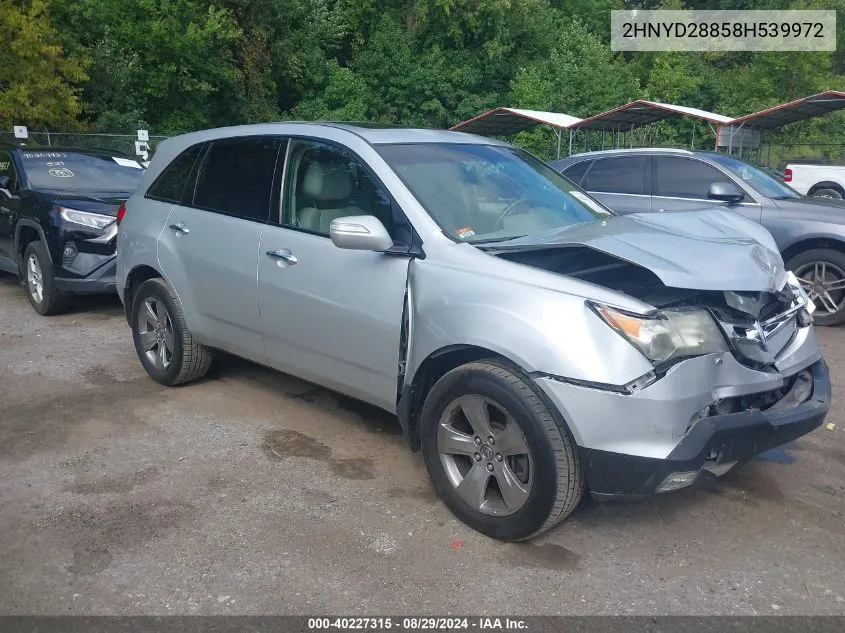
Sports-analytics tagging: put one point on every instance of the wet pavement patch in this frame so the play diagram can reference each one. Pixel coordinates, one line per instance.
(98, 533)
(545, 556)
(283, 443)
(777, 455)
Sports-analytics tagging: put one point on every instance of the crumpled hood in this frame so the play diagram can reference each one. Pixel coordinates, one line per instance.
(703, 250)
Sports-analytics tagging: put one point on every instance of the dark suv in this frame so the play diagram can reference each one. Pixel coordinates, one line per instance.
(57, 219)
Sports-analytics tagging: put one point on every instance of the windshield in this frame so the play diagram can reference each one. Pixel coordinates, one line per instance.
(75, 171)
(489, 193)
(757, 179)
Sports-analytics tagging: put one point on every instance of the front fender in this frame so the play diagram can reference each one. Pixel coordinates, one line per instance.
(539, 329)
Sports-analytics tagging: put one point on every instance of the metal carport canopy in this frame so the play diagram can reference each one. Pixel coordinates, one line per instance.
(505, 121)
(798, 110)
(643, 112)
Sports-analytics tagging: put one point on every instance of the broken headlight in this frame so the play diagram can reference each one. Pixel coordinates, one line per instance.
(668, 334)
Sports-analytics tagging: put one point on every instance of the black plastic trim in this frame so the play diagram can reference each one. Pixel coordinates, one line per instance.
(733, 437)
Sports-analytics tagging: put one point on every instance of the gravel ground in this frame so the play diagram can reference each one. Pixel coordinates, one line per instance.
(251, 492)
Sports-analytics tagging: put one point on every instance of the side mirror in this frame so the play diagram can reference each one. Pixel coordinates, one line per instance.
(360, 233)
(725, 192)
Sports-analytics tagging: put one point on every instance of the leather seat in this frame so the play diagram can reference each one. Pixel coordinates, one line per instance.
(326, 188)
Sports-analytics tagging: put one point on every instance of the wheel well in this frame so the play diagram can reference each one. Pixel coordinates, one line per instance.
(26, 235)
(806, 245)
(430, 371)
(827, 185)
(136, 277)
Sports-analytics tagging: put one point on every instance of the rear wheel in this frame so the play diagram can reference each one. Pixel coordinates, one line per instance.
(165, 346)
(821, 272)
(40, 284)
(499, 455)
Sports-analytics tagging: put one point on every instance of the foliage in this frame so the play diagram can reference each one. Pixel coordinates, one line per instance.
(38, 82)
(178, 65)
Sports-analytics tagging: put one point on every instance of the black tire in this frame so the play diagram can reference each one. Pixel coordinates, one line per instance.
(836, 260)
(52, 301)
(557, 473)
(189, 359)
(827, 192)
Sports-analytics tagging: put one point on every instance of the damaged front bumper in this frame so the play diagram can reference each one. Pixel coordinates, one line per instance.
(677, 432)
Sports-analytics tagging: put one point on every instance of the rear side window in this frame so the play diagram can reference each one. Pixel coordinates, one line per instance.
(625, 174)
(171, 181)
(685, 177)
(236, 177)
(576, 172)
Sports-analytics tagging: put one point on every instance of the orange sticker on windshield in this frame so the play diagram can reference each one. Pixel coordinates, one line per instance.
(465, 232)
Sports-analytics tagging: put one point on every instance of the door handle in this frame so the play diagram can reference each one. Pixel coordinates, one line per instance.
(180, 227)
(283, 255)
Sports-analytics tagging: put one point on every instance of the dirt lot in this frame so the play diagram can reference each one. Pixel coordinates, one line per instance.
(252, 492)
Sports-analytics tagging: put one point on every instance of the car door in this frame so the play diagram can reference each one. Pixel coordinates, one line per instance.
(208, 249)
(328, 315)
(9, 210)
(620, 182)
(681, 184)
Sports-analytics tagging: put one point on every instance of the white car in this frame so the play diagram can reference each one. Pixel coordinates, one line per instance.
(816, 179)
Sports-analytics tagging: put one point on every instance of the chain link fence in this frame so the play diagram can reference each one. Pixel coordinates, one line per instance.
(119, 143)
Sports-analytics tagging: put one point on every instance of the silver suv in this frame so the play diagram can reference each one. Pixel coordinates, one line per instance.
(532, 344)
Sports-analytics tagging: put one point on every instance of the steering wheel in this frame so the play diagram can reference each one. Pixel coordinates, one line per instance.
(513, 206)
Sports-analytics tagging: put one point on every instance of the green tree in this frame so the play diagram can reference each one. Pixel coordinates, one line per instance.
(38, 82)
(168, 63)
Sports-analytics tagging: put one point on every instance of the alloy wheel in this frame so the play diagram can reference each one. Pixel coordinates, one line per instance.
(824, 283)
(34, 278)
(156, 332)
(485, 455)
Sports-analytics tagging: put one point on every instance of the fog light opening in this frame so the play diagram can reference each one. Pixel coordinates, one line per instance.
(69, 252)
(676, 481)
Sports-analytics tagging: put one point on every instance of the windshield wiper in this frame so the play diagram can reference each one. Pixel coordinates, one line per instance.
(493, 240)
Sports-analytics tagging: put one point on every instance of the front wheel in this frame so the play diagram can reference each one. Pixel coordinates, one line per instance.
(40, 285)
(501, 458)
(821, 272)
(165, 345)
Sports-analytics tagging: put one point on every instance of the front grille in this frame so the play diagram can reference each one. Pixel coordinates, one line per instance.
(760, 326)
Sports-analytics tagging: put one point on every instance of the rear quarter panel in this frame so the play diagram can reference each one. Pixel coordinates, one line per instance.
(137, 237)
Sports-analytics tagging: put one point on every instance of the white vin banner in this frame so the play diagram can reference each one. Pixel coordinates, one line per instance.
(641, 30)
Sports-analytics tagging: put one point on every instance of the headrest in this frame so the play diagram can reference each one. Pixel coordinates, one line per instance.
(327, 181)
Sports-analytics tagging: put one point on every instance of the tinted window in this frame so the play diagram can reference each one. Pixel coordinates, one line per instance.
(236, 176)
(576, 172)
(489, 193)
(757, 178)
(617, 175)
(685, 178)
(325, 182)
(76, 171)
(171, 181)
(8, 169)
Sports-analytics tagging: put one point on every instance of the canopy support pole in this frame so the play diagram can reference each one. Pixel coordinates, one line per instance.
(571, 134)
(559, 132)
